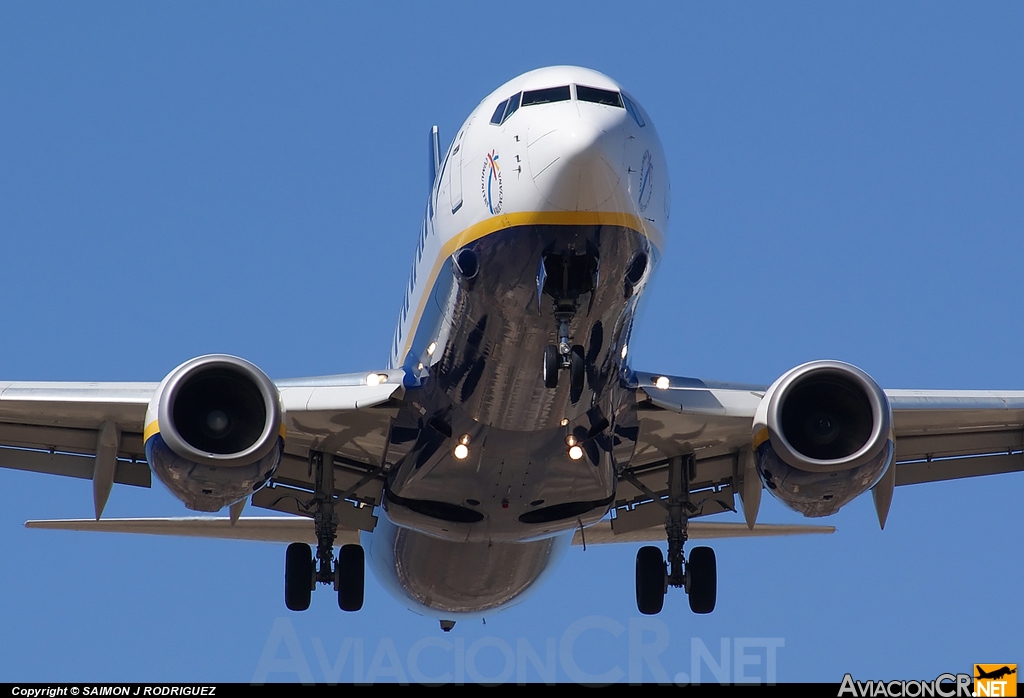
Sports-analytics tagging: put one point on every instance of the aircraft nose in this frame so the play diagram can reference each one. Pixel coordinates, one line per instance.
(576, 163)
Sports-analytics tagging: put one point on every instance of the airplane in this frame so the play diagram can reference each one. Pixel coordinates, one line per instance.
(996, 673)
(508, 423)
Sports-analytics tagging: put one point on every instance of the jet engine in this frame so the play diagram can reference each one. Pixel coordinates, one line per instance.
(822, 436)
(214, 431)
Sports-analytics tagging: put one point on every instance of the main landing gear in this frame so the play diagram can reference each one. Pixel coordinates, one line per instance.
(700, 580)
(301, 570)
(698, 576)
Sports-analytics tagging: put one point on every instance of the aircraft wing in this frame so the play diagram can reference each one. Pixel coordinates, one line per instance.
(603, 532)
(939, 435)
(55, 427)
(947, 434)
(270, 529)
(95, 431)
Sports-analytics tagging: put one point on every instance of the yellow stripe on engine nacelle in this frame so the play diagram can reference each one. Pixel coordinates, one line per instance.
(153, 428)
(760, 437)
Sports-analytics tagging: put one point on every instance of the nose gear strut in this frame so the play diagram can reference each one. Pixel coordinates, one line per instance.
(565, 277)
(565, 356)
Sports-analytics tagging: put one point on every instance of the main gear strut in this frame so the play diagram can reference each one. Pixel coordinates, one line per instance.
(698, 575)
(677, 519)
(325, 519)
(302, 570)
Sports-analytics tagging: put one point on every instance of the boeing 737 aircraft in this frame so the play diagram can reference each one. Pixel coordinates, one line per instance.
(508, 420)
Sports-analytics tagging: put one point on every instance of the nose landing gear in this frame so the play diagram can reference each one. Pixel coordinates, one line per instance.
(565, 356)
(566, 277)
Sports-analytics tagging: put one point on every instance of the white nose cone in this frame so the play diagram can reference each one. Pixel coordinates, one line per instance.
(576, 162)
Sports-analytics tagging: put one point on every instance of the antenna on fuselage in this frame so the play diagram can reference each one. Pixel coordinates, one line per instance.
(435, 155)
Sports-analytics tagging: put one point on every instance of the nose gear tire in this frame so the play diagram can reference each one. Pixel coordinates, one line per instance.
(552, 361)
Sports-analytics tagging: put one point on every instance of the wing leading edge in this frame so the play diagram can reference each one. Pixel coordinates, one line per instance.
(939, 435)
(95, 431)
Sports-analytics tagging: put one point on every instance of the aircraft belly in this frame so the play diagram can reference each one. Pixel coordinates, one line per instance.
(480, 452)
(512, 487)
(481, 488)
(450, 578)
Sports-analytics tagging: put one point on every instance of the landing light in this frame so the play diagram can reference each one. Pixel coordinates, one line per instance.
(570, 440)
(431, 348)
(461, 451)
(625, 349)
(376, 378)
(576, 452)
(564, 421)
(661, 383)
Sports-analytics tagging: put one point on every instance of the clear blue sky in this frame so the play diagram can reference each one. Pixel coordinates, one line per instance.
(185, 178)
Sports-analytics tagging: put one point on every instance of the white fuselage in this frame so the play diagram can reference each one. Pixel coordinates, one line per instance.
(561, 162)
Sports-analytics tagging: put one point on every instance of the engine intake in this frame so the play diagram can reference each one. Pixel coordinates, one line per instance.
(213, 431)
(822, 436)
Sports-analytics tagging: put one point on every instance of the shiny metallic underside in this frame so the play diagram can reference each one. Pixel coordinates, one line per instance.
(469, 517)
(458, 578)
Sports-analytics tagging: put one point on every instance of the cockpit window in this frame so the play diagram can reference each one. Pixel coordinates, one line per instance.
(563, 93)
(598, 96)
(513, 104)
(546, 96)
(499, 112)
(505, 109)
(633, 111)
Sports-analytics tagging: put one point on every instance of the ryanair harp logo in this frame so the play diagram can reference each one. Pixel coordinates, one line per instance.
(995, 680)
(490, 183)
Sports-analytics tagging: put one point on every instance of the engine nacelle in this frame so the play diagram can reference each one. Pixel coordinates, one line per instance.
(214, 431)
(822, 436)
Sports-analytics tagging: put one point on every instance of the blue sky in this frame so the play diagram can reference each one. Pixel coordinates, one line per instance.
(180, 179)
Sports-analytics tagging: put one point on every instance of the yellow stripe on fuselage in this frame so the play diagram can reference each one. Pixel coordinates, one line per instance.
(515, 220)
